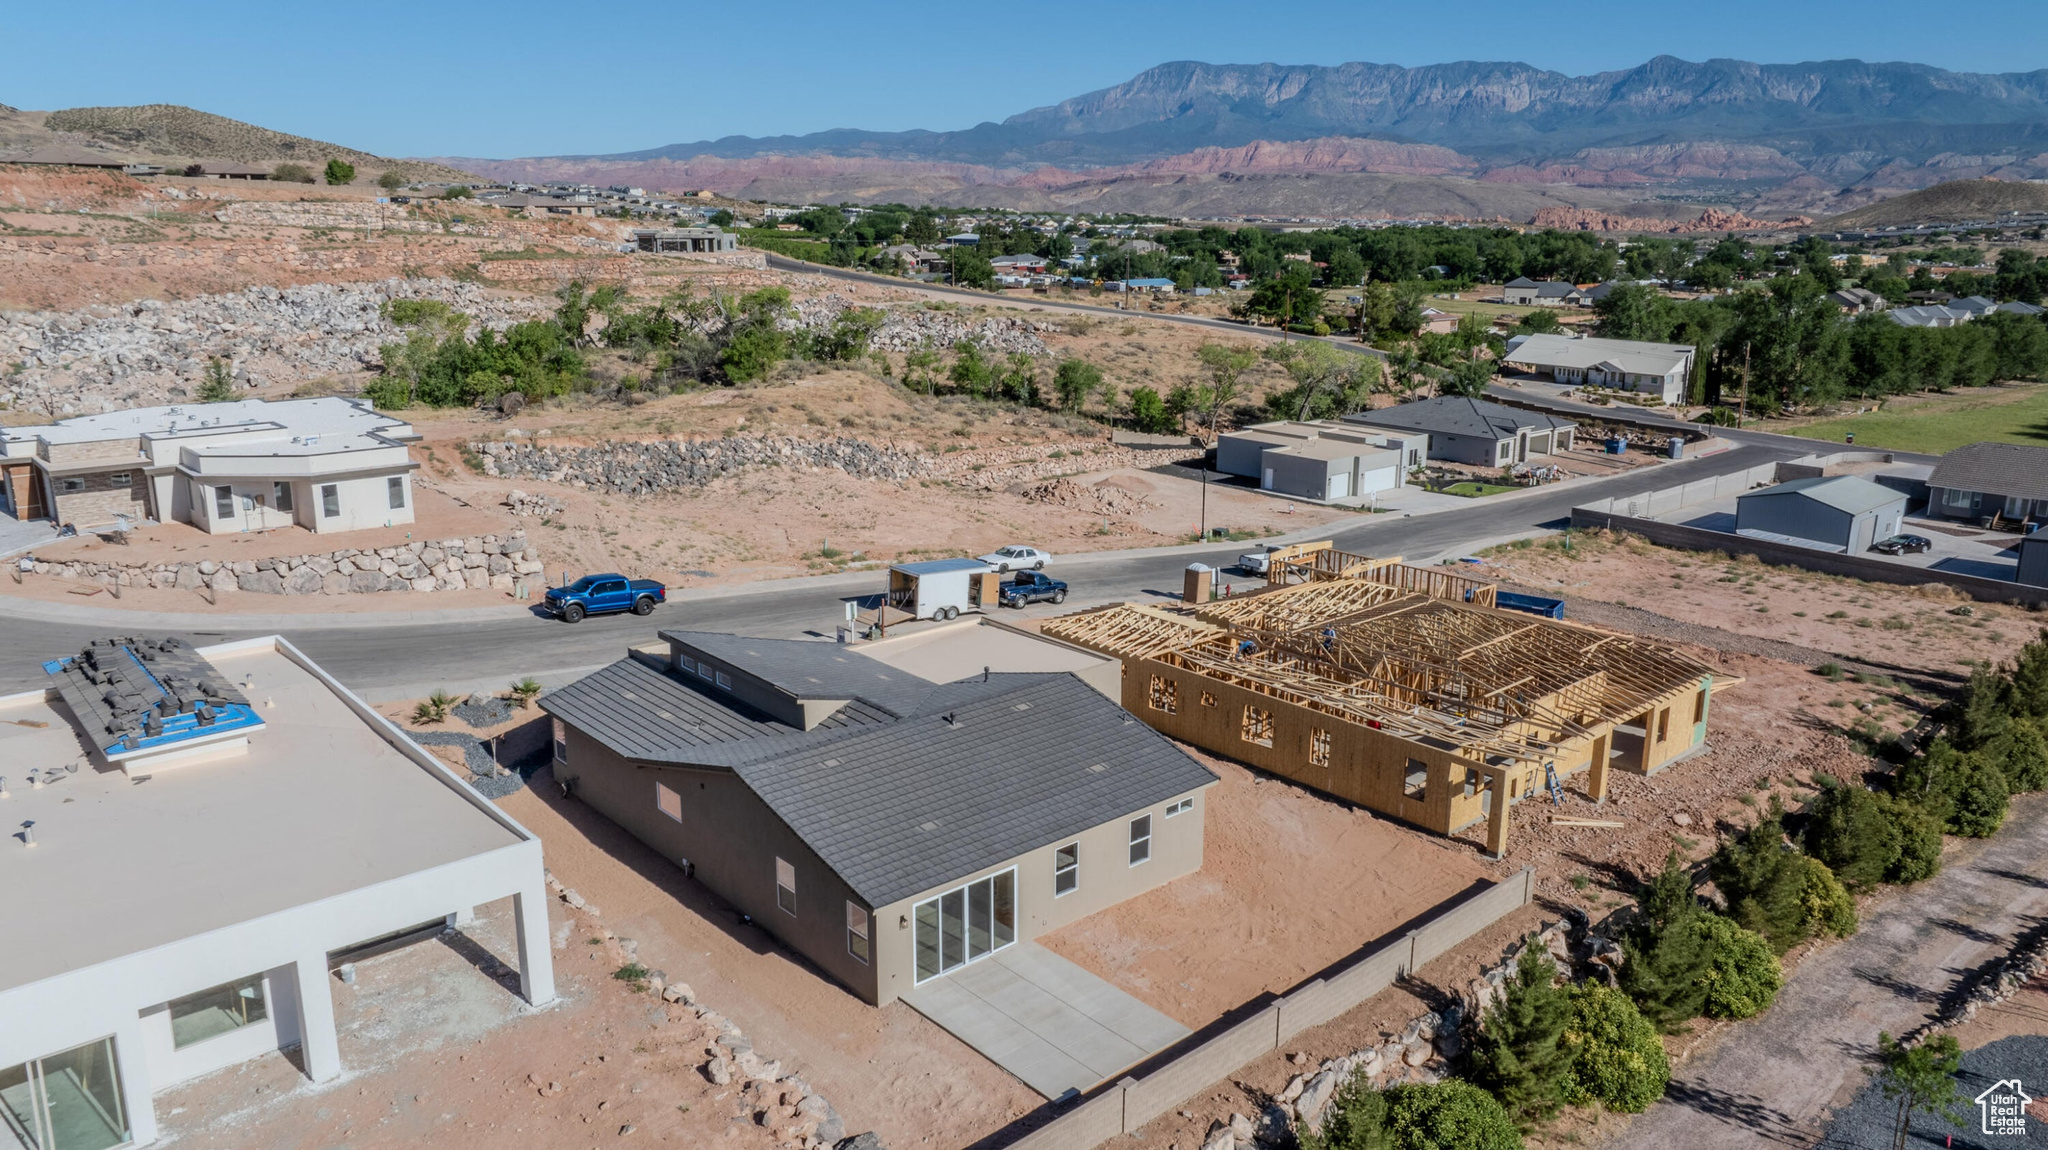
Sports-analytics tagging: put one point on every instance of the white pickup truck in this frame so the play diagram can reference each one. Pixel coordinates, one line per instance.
(1256, 562)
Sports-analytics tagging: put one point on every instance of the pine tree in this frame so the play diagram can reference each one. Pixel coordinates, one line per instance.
(1983, 715)
(218, 386)
(1515, 1053)
(2030, 678)
(1665, 953)
(1852, 832)
(2026, 757)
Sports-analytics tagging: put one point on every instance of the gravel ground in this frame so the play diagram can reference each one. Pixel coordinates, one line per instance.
(482, 770)
(1867, 1121)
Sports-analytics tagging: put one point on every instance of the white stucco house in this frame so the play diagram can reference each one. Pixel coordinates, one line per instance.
(195, 837)
(327, 464)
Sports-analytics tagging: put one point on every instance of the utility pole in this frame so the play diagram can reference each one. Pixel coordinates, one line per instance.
(1742, 413)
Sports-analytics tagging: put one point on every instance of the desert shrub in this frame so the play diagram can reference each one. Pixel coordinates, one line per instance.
(2026, 758)
(1743, 976)
(1148, 411)
(458, 192)
(292, 174)
(752, 354)
(1515, 1050)
(1616, 1056)
(1982, 715)
(218, 384)
(1827, 907)
(1853, 832)
(390, 180)
(2030, 678)
(1075, 380)
(1919, 841)
(1665, 954)
(1449, 1115)
(339, 172)
(1965, 790)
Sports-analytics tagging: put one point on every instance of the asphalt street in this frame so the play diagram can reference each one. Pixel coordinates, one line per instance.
(395, 656)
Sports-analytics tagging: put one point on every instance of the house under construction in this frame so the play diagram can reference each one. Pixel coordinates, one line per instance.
(1401, 688)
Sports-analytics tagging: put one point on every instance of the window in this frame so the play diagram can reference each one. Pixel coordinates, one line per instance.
(1416, 784)
(688, 664)
(395, 487)
(1257, 726)
(71, 1099)
(230, 1006)
(857, 931)
(223, 503)
(1180, 808)
(74, 485)
(1141, 839)
(561, 741)
(1699, 708)
(121, 479)
(1208, 700)
(668, 802)
(281, 496)
(1165, 695)
(966, 924)
(724, 681)
(330, 501)
(1950, 497)
(785, 886)
(704, 670)
(1663, 724)
(1318, 747)
(1471, 782)
(1066, 869)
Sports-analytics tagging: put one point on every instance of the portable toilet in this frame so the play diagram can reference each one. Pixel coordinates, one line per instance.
(1198, 585)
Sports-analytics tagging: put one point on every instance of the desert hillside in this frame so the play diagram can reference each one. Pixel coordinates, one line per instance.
(1951, 202)
(164, 133)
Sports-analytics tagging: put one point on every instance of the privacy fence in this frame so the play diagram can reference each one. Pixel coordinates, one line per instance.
(1131, 1102)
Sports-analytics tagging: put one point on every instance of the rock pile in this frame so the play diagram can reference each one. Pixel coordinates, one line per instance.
(783, 1103)
(1101, 499)
(523, 503)
(488, 561)
(627, 468)
(110, 356)
(2002, 980)
(909, 328)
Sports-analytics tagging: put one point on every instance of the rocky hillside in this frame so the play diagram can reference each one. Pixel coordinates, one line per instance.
(160, 133)
(1953, 202)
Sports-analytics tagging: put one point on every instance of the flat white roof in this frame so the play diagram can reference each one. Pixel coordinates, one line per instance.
(955, 651)
(336, 421)
(323, 802)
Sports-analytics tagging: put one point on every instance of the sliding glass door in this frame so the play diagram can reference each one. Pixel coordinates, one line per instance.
(68, 1101)
(965, 924)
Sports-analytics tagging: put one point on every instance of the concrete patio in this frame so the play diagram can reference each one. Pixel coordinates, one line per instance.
(1052, 1024)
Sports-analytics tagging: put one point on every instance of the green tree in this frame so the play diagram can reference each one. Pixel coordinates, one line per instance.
(756, 342)
(1148, 411)
(1782, 895)
(1665, 952)
(1983, 715)
(971, 268)
(971, 372)
(1630, 311)
(1542, 321)
(1018, 381)
(390, 180)
(849, 335)
(1074, 380)
(1743, 977)
(1965, 791)
(457, 192)
(1515, 1052)
(1919, 841)
(721, 219)
(1226, 364)
(340, 172)
(1852, 831)
(218, 385)
(923, 229)
(1469, 376)
(1327, 382)
(1922, 1079)
(1449, 1115)
(2026, 757)
(1615, 1055)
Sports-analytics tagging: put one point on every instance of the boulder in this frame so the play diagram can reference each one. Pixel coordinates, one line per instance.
(304, 581)
(1315, 1095)
(189, 577)
(1417, 1051)
(867, 1141)
(262, 582)
(334, 583)
(364, 582)
(223, 580)
(719, 1071)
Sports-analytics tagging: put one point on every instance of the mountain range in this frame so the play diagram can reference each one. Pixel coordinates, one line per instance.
(1466, 139)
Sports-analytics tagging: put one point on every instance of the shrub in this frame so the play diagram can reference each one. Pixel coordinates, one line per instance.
(1782, 895)
(390, 181)
(2026, 758)
(1448, 1115)
(1515, 1051)
(1075, 380)
(1743, 976)
(1919, 841)
(1616, 1056)
(1852, 831)
(1148, 411)
(1965, 791)
(218, 385)
(1664, 953)
(339, 172)
(292, 174)
(457, 192)
(1826, 906)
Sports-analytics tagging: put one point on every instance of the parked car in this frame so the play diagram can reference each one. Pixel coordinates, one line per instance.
(1903, 545)
(1256, 562)
(605, 594)
(1032, 587)
(1008, 559)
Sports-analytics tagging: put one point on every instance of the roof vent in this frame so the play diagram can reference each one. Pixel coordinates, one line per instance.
(927, 827)
(953, 720)
(1021, 707)
(830, 763)
(1098, 768)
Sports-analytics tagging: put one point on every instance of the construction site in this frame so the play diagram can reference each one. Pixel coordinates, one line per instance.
(1404, 689)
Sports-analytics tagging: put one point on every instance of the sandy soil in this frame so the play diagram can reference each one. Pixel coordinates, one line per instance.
(2024, 1013)
(1290, 883)
(438, 1049)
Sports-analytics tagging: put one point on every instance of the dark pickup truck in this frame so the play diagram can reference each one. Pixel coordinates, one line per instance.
(605, 594)
(1032, 587)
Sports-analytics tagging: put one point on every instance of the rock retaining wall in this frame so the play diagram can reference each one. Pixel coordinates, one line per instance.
(640, 468)
(478, 562)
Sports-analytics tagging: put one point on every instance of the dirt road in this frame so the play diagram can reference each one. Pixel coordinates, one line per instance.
(1775, 1080)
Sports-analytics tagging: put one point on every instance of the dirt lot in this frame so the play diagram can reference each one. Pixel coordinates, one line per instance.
(1290, 883)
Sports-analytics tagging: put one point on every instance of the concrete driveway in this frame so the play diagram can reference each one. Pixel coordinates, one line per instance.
(1052, 1024)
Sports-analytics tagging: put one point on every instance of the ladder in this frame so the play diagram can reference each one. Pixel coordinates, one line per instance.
(1556, 788)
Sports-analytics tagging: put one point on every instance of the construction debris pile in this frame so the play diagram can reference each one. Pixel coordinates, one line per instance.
(1102, 498)
(111, 356)
(909, 328)
(626, 468)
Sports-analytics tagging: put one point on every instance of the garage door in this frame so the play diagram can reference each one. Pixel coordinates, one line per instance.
(1381, 480)
(1340, 486)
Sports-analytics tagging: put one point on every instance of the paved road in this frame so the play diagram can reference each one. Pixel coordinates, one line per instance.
(408, 656)
(1770, 1081)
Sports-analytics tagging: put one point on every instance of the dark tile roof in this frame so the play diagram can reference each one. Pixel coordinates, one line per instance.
(2009, 469)
(980, 771)
(811, 669)
(1455, 415)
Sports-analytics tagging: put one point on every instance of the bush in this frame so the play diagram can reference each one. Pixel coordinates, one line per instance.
(1148, 411)
(1782, 895)
(339, 172)
(1853, 832)
(1515, 1050)
(1743, 976)
(1964, 790)
(292, 174)
(1826, 905)
(1449, 1115)
(1616, 1056)
(1665, 955)
(457, 192)
(2026, 758)
(1919, 841)
(218, 385)
(390, 181)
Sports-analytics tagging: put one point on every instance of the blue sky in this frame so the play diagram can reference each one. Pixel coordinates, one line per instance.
(515, 78)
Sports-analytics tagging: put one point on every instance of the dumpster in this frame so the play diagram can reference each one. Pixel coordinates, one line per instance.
(1533, 604)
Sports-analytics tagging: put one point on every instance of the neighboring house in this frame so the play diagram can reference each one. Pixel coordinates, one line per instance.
(1856, 300)
(224, 170)
(1320, 459)
(1525, 292)
(202, 859)
(1160, 285)
(1025, 265)
(1930, 297)
(917, 260)
(1474, 430)
(1836, 513)
(1658, 369)
(1980, 480)
(964, 240)
(888, 827)
(1928, 315)
(326, 464)
(684, 240)
(2033, 569)
(68, 157)
(1436, 320)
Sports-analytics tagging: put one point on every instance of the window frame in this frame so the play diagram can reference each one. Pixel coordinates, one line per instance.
(1409, 788)
(561, 739)
(1069, 872)
(73, 484)
(281, 495)
(785, 869)
(859, 925)
(121, 479)
(668, 802)
(1139, 840)
(394, 487)
(1663, 723)
(259, 981)
(223, 502)
(1179, 807)
(330, 501)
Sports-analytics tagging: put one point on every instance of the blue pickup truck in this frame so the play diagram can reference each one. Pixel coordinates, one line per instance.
(1033, 587)
(605, 594)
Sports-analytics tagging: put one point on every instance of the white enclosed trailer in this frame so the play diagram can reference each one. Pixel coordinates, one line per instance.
(942, 588)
